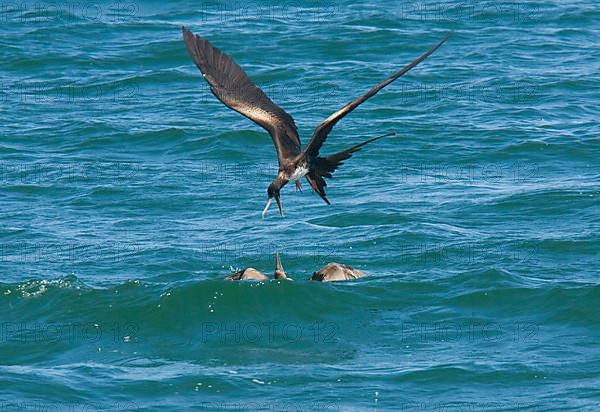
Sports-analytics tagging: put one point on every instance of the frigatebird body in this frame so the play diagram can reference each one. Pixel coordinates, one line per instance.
(230, 84)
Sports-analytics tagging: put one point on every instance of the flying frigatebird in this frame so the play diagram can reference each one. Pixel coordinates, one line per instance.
(230, 84)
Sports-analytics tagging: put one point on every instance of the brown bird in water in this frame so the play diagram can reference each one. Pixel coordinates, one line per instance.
(253, 274)
(334, 272)
(247, 274)
(230, 84)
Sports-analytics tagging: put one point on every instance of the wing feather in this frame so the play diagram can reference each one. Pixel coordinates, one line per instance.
(323, 130)
(230, 84)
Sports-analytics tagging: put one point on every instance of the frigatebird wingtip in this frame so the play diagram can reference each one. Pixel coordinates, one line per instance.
(446, 37)
(187, 34)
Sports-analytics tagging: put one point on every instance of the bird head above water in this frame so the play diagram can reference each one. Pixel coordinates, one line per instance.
(279, 272)
(273, 193)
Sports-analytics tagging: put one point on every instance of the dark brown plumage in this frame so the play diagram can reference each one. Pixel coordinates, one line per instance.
(233, 87)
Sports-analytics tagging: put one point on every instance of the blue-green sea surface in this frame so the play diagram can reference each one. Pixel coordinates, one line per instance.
(128, 191)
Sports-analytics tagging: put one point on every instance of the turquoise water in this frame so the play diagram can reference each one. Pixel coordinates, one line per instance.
(128, 192)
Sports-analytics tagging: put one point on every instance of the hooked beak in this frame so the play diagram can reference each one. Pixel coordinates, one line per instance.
(276, 196)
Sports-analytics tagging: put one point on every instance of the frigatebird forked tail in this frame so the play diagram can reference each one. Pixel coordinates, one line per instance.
(324, 167)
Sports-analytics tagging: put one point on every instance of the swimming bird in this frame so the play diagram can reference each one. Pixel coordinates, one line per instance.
(230, 84)
(247, 274)
(333, 272)
(253, 274)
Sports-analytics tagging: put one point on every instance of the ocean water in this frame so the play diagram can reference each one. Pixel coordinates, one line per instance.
(127, 192)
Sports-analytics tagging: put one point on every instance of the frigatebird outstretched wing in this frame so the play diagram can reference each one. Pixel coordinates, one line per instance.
(233, 87)
(322, 131)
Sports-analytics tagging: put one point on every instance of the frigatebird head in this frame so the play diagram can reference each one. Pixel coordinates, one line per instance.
(273, 192)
